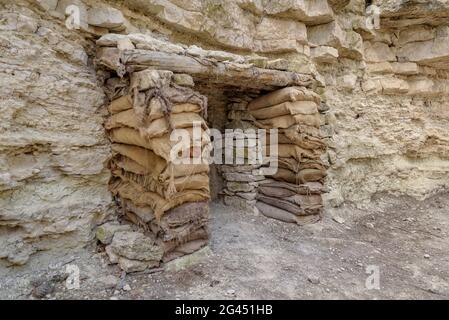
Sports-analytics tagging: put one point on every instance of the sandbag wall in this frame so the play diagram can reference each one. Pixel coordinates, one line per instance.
(168, 200)
(293, 193)
(240, 176)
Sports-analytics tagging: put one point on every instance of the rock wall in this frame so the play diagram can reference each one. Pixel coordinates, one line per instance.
(387, 90)
(53, 183)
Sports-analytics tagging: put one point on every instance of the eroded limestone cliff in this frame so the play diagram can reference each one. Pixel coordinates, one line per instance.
(386, 85)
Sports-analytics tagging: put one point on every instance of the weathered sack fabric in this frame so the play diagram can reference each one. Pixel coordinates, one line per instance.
(286, 108)
(294, 193)
(167, 200)
(284, 95)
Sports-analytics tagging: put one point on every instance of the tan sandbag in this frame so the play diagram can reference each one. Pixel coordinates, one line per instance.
(285, 216)
(295, 166)
(313, 201)
(282, 204)
(300, 139)
(306, 188)
(303, 176)
(145, 213)
(161, 126)
(169, 187)
(296, 152)
(133, 192)
(156, 111)
(125, 118)
(293, 131)
(127, 164)
(284, 122)
(286, 108)
(121, 104)
(146, 158)
(180, 223)
(284, 95)
(160, 145)
(157, 127)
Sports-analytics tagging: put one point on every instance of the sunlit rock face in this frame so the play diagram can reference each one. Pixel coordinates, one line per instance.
(386, 89)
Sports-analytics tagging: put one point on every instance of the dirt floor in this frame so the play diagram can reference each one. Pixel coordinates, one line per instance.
(253, 257)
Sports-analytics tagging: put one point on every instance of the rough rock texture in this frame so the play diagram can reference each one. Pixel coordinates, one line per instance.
(387, 90)
(53, 184)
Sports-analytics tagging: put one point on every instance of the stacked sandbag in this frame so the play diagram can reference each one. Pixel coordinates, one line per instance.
(167, 199)
(294, 192)
(239, 150)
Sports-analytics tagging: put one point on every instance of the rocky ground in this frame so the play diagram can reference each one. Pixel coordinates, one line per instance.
(252, 257)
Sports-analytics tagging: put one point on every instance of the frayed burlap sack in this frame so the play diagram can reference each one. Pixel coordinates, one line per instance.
(166, 188)
(284, 95)
(294, 151)
(283, 189)
(313, 201)
(125, 118)
(145, 213)
(135, 193)
(284, 122)
(295, 166)
(281, 204)
(300, 139)
(121, 104)
(161, 146)
(127, 164)
(177, 171)
(148, 78)
(285, 216)
(178, 223)
(146, 158)
(116, 87)
(156, 110)
(303, 176)
(157, 127)
(286, 108)
(199, 233)
(298, 129)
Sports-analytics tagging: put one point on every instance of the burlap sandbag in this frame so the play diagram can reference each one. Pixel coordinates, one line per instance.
(156, 110)
(156, 127)
(293, 131)
(178, 223)
(283, 189)
(145, 213)
(160, 145)
(292, 151)
(313, 201)
(286, 108)
(169, 187)
(295, 166)
(303, 176)
(121, 104)
(135, 193)
(146, 158)
(300, 139)
(161, 126)
(284, 122)
(281, 204)
(177, 171)
(285, 216)
(284, 95)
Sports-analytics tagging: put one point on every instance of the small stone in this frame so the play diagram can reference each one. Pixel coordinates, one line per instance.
(127, 287)
(339, 220)
(113, 298)
(109, 281)
(370, 225)
(230, 292)
(426, 256)
(105, 17)
(313, 279)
